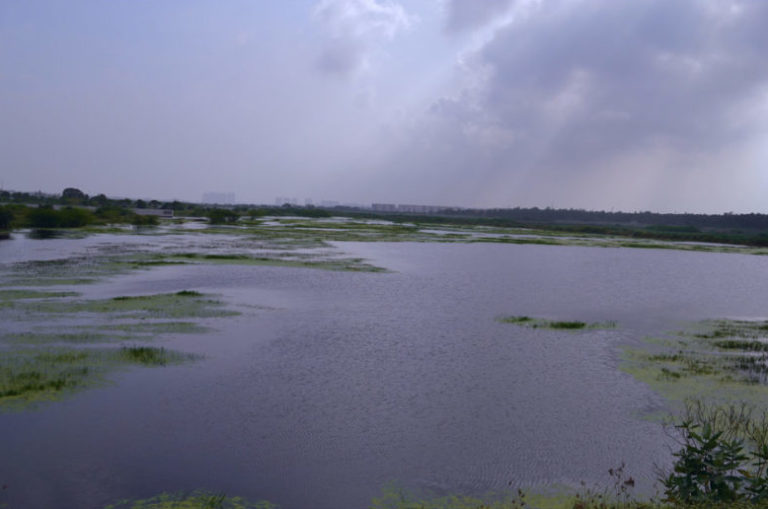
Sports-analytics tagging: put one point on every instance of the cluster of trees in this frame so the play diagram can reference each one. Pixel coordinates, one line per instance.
(74, 208)
(45, 216)
(75, 197)
(549, 215)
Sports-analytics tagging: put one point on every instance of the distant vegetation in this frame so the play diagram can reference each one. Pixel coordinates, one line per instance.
(728, 228)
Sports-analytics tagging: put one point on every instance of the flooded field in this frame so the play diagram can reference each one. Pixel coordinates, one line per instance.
(311, 363)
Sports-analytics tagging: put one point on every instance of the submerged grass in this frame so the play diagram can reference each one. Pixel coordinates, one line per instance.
(718, 360)
(14, 294)
(164, 305)
(31, 338)
(31, 376)
(542, 323)
(279, 260)
(194, 500)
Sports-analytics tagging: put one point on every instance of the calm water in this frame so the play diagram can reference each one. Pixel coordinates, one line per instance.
(331, 384)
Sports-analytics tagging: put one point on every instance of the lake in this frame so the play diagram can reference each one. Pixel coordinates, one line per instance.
(331, 384)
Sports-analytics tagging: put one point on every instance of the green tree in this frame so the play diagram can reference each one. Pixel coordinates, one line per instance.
(221, 216)
(73, 195)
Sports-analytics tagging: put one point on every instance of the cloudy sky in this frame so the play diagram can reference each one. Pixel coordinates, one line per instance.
(598, 104)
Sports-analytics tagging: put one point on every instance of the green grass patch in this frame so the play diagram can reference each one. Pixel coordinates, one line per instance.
(32, 338)
(149, 355)
(340, 264)
(31, 376)
(154, 328)
(194, 500)
(33, 294)
(165, 305)
(718, 360)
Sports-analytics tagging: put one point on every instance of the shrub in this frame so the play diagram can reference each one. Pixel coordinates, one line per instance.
(723, 458)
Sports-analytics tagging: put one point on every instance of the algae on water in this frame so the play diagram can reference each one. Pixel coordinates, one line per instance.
(716, 360)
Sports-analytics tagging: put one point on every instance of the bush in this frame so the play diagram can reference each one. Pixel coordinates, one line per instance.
(43, 217)
(6, 216)
(220, 216)
(723, 458)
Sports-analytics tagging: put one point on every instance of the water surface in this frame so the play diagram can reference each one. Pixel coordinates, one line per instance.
(331, 384)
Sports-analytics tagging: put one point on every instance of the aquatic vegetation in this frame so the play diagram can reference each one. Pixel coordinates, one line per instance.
(393, 497)
(30, 376)
(720, 360)
(58, 337)
(194, 500)
(166, 305)
(33, 294)
(541, 323)
(149, 355)
(567, 325)
(300, 261)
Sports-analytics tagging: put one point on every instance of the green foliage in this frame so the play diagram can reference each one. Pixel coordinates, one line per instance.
(708, 467)
(146, 355)
(195, 500)
(722, 459)
(73, 195)
(47, 217)
(144, 220)
(71, 217)
(6, 216)
(222, 216)
(43, 217)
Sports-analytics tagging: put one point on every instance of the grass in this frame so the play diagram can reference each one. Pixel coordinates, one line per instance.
(280, 260)
(49, 370)
(14, 294)
(164, 305)
(154, 328)
(31, 376)
(541, 323)
(195, 500)
(148, 355)
(567, 325)
(32, 338)
(718, 360)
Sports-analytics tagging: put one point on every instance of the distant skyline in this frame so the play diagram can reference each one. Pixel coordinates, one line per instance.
(595, 104)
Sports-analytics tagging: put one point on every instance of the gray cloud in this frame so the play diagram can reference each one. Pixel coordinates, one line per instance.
(353, 28)
(468, 14)
(574, 86)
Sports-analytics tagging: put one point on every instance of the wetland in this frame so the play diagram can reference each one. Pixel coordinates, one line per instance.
(310, 362)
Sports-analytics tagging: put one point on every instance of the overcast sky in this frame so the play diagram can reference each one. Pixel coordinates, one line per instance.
(598, 104)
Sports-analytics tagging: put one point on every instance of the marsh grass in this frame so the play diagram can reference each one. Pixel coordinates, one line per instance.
(15, 294)
(194, 500)
(567, 325)
(165, 305)
(152, 328)
(149, 355)
(723, 359)
(542, 323)
(299, 260)
(30, 376)
(31, 338)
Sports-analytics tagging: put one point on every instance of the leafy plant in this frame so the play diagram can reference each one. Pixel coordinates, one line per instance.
(723, 459)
